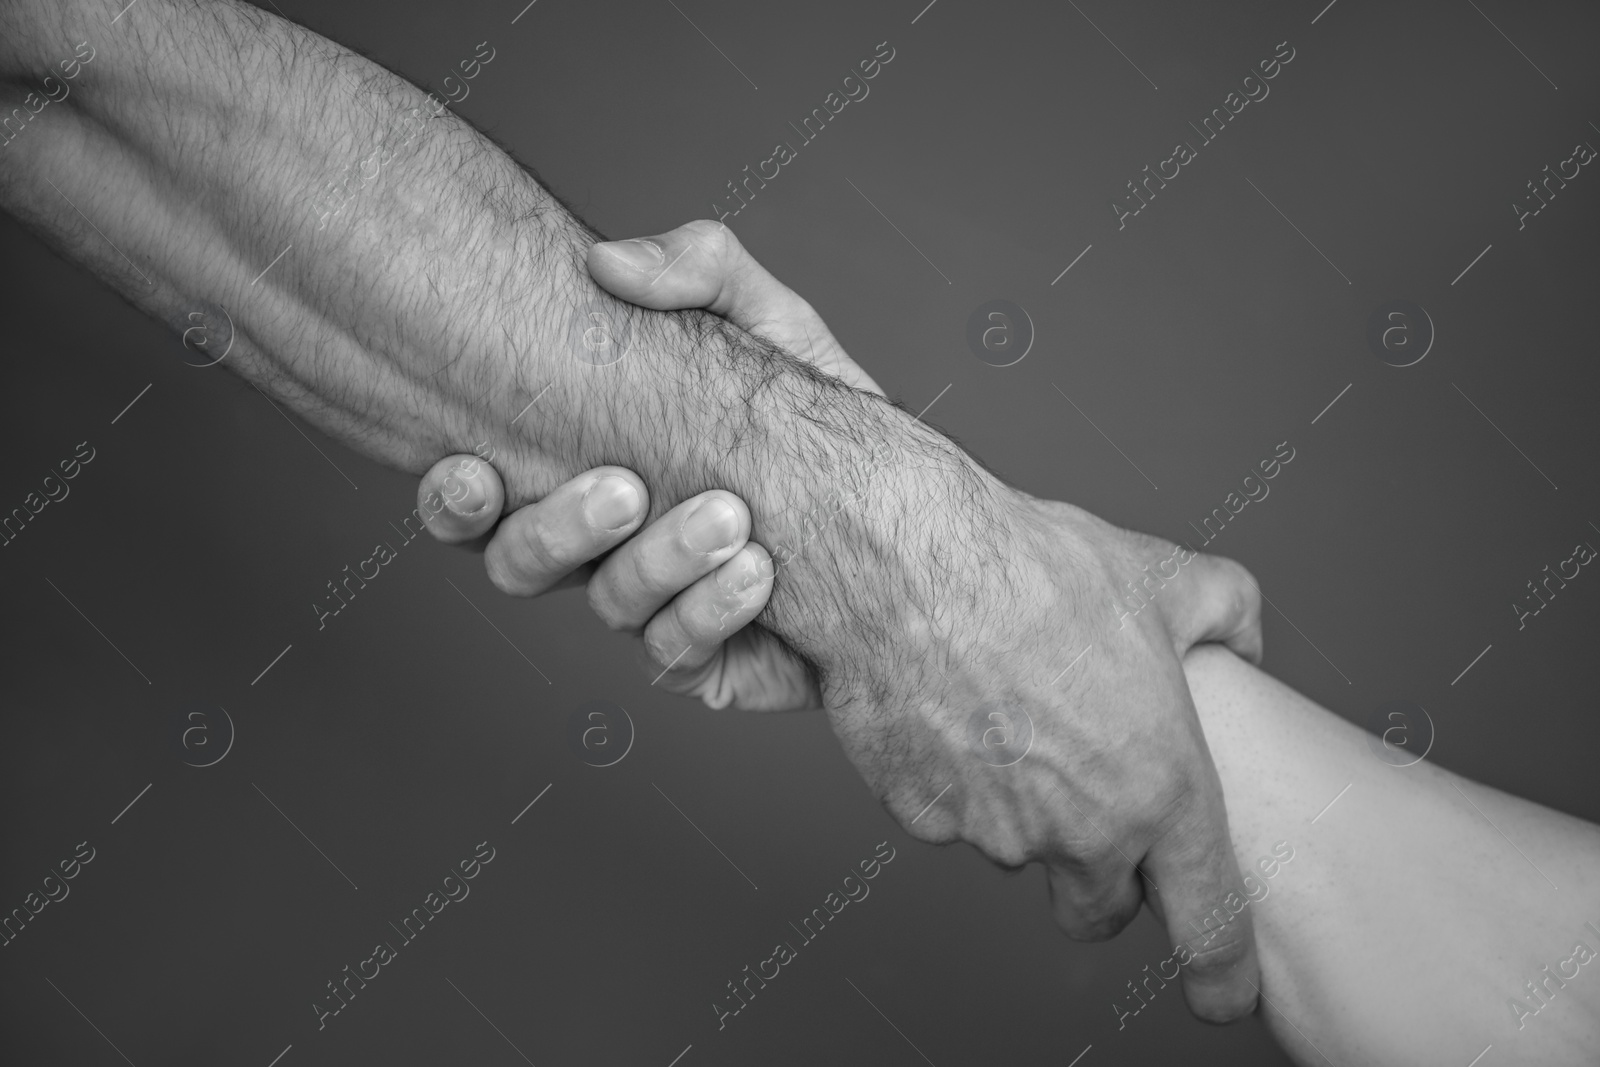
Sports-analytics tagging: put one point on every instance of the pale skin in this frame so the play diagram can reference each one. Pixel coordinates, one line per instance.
(1406, 924)
(406, 286)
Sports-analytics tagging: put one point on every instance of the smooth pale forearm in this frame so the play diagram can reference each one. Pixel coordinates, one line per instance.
(188, 167)
(1406, 922)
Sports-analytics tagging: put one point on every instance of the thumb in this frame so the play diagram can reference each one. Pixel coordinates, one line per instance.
(1212, 599)
(703, 265)
(460, 499)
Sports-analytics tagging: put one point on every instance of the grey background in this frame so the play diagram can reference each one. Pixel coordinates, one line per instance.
(1196, 339)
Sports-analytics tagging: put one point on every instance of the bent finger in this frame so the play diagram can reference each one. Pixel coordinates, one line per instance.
(667, 557)
(537, 546)
(685, 636)
(460, 499)
(1200, 895)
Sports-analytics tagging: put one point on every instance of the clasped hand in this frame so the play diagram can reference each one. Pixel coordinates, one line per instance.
(1026, 713)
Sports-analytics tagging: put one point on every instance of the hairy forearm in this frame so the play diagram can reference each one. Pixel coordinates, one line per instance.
(405, 285)
(1417, 905)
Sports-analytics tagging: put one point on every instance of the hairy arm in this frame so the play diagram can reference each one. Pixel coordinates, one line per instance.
(404, 284)
(408, 287)
(1415, 910)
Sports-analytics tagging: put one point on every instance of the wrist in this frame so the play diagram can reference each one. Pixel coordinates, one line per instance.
(880, 536)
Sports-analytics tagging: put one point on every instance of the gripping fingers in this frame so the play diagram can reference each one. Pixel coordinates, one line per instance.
(685, 635)
(680, 547)
(537, 546)
(1203, 901)
(702, 264)
(460, 499)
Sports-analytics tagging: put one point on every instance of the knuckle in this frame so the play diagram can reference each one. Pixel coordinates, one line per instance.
(523, 554)
(604, 603)
(660, 567)
(1102, 906)
(713, 237)
(711, 241)
(543, 547)
(535, 545)
(919, 820)
(711, 624)
(928, 830)
(670, 651)
(1229, 574)
(1006, 849)
(1227, 950)
(1238, 573)
(1246, 589)
(1098, 858)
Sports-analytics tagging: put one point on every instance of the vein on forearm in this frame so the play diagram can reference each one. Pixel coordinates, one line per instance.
(425, 313)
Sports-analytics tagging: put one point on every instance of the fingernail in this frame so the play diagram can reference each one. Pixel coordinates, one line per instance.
(740, 574)
(471, 497)
(646, 255)
(611, 503)
(712, 525)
